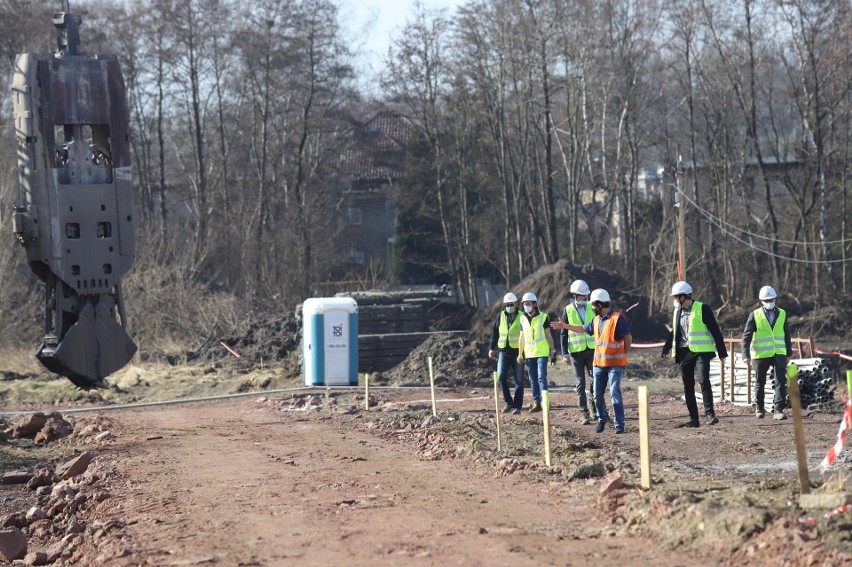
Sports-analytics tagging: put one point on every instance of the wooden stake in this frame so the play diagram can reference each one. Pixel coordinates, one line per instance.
(644, 438)
(849, 383)
(432, 387)
(722, 380)
(545, 407)
(367, 391)
(497, 411)
(748, 382)
(798, 428)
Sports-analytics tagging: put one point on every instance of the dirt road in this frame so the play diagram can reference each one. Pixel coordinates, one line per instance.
(236, 484)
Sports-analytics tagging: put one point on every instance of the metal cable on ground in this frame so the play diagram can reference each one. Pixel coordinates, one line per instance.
(233, 396)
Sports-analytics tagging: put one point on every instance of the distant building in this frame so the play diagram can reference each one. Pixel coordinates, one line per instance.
(373, 163)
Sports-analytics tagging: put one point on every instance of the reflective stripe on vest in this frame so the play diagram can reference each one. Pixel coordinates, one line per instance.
(698, 335)
(535, 342)
(767, 340)
(608, 352)
(511, 333)
(579, 341)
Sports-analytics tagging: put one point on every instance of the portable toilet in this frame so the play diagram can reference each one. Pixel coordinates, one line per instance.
(330, 341)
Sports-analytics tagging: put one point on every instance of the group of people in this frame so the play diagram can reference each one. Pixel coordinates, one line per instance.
(595, 340)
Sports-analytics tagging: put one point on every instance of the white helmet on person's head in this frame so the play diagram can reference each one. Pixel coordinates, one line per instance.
(529, 296)
(510, 298)
(767, 293)
(681, 288)
(600, 295)
(580, 287)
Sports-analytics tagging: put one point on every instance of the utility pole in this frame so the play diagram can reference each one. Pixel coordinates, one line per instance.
(681, 241)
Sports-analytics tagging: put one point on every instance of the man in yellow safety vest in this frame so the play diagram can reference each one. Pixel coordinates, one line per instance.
(536, 346)
(767, 340)
(696, 339)
(504, 347)
(578, 349)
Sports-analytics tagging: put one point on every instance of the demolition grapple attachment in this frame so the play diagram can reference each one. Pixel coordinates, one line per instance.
(74, 215)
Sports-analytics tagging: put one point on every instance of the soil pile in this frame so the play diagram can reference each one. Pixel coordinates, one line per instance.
(456, 361)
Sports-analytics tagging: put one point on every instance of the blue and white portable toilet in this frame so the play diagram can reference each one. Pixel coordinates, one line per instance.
(330, 341)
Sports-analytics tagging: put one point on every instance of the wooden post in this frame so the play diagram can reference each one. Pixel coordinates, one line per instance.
(849, 383)
(367, 391)
(722, 380)
(432, 387)
(748, 382)
(644, 438)
(798, 428)
(545, 406)
(497, 412)
(799, 344)
(733, 374)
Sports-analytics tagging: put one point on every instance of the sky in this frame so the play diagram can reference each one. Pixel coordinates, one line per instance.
(373, 23)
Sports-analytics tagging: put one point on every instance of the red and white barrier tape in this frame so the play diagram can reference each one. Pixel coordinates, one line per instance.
(831, 456)
(835, 353)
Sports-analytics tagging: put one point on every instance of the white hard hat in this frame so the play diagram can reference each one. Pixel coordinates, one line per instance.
(580, 287)
(530, 297)
(510, 298)
(767, 292)
(600, 295)
(681, 288)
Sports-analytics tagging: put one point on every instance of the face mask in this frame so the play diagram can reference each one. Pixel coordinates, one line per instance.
(529, 308)
(676, 304)
(769, 305)
(510, 309)
(582, 302)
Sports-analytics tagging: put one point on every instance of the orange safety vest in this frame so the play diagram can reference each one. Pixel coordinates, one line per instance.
(608, 352)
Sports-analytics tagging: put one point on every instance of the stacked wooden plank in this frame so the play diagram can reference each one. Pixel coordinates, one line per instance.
(392, 324)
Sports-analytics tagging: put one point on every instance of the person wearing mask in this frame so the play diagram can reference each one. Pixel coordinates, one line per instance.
(535, 346)
(696, 338)
(578, 349)
(505, 337)
(767, 340)
(612, 342)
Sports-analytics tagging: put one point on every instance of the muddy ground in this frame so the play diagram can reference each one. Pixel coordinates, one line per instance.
(282, 473)
(312, 476)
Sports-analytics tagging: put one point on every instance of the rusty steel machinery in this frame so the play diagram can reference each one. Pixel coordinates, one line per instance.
(75, 212)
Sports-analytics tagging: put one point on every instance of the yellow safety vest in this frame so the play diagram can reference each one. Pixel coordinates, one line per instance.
(535, 342)
(509, 334)
(698, 336)
(579, 341)
(767, 340)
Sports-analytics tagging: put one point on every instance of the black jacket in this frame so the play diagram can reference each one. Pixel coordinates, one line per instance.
(709, 320)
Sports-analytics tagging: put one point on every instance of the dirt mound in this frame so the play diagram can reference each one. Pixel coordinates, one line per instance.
(551, 284)
(456, 361)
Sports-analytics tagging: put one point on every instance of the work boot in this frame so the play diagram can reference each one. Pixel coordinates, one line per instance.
(690, 423)
(712, 419)
(507, 408)
(585, 419)
(760, 413)
(601, 425)
(516, 411)
(779, 415)
(536, 407)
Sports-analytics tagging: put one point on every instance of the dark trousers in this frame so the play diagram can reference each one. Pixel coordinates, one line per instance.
(507, 363)
(582, 363)
(779, 361)
(690, 361)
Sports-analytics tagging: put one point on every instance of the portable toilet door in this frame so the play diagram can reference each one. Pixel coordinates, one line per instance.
(330, 341)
